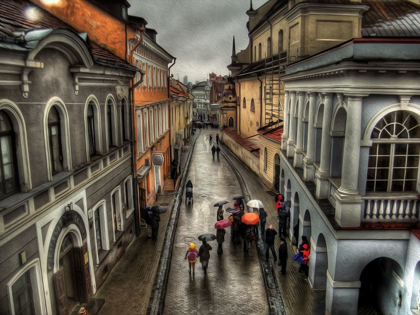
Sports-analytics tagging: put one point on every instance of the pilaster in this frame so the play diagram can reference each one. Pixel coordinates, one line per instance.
(341, 296)
(298, 156)
(292, 127)
(285, 134)
(308, 166)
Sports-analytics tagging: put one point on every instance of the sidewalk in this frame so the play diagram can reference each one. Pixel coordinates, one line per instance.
(128, 288)
(297, 294)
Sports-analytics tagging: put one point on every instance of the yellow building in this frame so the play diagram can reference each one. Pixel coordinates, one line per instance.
(280, 33)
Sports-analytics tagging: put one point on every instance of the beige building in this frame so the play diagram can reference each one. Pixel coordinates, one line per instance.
(281, 33)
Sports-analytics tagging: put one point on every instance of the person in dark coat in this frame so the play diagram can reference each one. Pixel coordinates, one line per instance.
(174, 168)
(204, 254)
(270, 234)
(217, 138)
(283, 215)
(155, 225)
(220, 213)
(263, 220)
(210, 139)
(283, 255)
(235, 228)
(213, 151)
(218, 152)
(304, 241)
(220, 237)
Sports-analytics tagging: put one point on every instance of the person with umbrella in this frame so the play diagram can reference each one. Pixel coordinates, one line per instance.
(270, 234)
(204, 254)
(249, 220)
(213, 151)
(218, 152)
(192, 255)
(220, 209)
(220, 234)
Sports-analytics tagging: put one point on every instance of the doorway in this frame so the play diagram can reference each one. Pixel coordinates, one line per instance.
(72, 279)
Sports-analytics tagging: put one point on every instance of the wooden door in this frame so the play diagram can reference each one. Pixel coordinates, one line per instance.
(88, 284)
(80, 274)
(60, 292)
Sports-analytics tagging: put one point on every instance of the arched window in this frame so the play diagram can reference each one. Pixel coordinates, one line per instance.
(244, 103)
(394, 155)
(259, 52)
(252, 106)
(109, 119)
(280, 41)
(231, 122)
(255, 53)
(54, 138)
(91, 129)
(269, 47)
(265, 160)
(9, 174)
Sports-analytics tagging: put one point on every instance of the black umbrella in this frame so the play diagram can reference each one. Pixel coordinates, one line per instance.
(238, 198)
(220, 203)
(207, 237)
(158, 209)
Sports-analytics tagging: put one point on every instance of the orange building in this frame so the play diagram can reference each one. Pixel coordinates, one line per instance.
(108, 24)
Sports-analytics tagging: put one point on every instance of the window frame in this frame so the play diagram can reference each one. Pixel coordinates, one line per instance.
(59, 138)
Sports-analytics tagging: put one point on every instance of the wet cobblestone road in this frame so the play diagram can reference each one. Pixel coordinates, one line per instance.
(234, 284)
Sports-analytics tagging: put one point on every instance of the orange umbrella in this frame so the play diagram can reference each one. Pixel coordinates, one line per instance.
(250, 218)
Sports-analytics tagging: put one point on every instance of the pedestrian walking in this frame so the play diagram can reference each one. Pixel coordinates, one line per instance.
(235, 228)
(210, 139)
(283, 255)
(155, 225)
(218, 152)
(263, 220)
(270, 234)
(192, 255)
(148, 220)
(217, 138)
(220, 237)
(174, 169)
(204, 254)
(283, 216)
(213, 151)
(220, 213)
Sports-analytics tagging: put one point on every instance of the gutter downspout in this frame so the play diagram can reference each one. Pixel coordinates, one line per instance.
(261, 96)
(137, 215)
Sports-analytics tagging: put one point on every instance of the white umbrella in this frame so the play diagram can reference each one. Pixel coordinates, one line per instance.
(255, 204)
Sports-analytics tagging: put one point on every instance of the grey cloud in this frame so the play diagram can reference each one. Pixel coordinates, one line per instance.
(197, 32)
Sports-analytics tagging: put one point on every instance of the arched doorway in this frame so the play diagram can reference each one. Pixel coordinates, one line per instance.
(282, 182)
(306, 226)
(318, 133)
(294, 220)
(231, 122)
(319, 264)
(381, 287)
(277, 172)
(415, 297)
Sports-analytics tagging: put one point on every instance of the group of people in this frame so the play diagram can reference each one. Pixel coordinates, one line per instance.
(215, 148)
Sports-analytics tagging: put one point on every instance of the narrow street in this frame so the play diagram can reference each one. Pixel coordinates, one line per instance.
(234, 284)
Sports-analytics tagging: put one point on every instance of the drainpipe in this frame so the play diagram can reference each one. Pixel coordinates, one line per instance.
(261, 96)
(134, 142)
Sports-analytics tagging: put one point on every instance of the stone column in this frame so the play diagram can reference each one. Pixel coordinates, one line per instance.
(341, 297)
(292, 126)
(308, 161)
(285, 135)
(348, 206)
(298, 157)
(323, 172)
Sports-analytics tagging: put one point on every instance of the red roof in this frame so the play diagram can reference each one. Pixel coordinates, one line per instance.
(273, 134)
(12, 16)
(176, 91)
(247, 144)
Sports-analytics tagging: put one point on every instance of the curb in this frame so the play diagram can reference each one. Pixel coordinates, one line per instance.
(157, 299)
(274, 298)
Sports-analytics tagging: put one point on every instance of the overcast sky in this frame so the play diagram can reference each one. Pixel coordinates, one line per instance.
(197, 32)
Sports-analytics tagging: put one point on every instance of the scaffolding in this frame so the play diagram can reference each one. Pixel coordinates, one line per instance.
(273, 91)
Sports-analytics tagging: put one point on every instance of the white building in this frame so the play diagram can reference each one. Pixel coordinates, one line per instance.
(349, 164)
(201, 106)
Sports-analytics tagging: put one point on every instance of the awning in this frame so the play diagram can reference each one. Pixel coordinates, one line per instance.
(142, 172)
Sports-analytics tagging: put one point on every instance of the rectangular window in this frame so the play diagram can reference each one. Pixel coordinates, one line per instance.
(140, 148)
(146, 129)
(156, 124)
(22, 295)
(152, 132)
(160, 121)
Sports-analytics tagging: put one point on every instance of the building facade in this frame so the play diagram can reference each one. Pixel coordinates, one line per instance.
(201, 105)
(354, 185)
(67, 205)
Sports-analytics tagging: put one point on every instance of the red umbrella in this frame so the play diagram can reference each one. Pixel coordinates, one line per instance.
(222, 224)
(250, 218)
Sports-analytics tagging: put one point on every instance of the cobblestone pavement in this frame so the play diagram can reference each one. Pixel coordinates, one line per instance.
(128, 288)
(298, 297)
(234, 283)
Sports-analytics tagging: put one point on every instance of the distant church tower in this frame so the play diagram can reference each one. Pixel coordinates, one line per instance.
(228, 106)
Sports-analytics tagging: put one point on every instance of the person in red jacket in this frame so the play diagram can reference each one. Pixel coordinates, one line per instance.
(305, 259)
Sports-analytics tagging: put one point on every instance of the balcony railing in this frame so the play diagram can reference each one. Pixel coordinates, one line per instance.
(380, 208)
